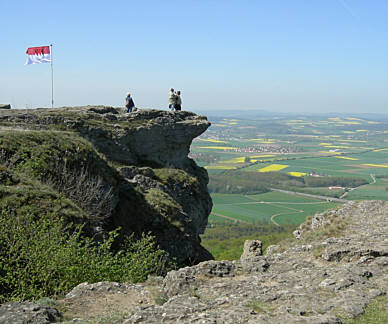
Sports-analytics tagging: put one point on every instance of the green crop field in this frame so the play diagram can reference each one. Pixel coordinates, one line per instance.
(274, 207)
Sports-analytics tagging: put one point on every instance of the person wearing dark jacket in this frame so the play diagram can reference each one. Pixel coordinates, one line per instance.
(129, 104)
(178, 105)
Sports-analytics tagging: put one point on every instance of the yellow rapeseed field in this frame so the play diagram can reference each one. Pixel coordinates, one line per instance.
(297, 174)
(377, 165)
(379, 150)
(345, 158)
(235, 160)
(241, 159)
(261, 156)
(273, 168)
(212, 140)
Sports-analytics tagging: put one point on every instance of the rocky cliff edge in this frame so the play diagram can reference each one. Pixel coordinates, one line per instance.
(336, 267)
(118, 170)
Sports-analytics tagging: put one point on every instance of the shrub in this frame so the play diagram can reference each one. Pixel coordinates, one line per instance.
(64, 161)
(41, 257)
(91, 193)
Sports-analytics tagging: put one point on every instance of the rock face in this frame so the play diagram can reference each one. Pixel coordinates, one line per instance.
(327, 276)
(138, 164)
(252, 249)
(28, 312)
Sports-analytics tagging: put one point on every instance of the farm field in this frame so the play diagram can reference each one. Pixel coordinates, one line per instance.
(271, 207)
(331, 146)
(373, 191)
(290, 153)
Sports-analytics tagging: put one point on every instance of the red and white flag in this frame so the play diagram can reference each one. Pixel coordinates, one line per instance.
(39, 54)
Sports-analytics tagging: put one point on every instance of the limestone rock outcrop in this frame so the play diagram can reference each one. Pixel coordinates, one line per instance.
(28, 312)
(137, 167)
(252, 249)
(327, 276)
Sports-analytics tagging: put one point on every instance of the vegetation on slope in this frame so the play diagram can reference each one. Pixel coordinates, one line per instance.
(50, 184)
(63, 161)
(250, 182)
(43, 256)
(225, 241)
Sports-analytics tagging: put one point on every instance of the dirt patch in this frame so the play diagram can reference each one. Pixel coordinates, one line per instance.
(100, 307)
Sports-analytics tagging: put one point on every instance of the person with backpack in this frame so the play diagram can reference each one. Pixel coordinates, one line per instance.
(178, 105)
(129, 104)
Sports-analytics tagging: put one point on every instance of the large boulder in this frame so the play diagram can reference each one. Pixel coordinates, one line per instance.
(252, 249)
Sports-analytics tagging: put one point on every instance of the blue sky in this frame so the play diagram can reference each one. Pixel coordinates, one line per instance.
(286, 56)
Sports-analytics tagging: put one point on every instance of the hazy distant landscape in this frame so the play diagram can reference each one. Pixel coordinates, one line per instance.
(315, 161)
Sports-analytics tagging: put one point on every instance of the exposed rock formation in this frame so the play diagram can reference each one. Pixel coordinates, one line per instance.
(252, 249)
(139, 176)
(28, 312)
(331, 274)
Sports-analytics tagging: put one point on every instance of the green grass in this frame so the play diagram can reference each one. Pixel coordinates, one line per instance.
(253, 213)
(369, 192)
(229, 198)
(308, 210)
(280, 197)
(375, 313)
(226, 241)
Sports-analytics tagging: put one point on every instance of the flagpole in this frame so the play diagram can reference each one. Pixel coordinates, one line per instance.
(52, 77)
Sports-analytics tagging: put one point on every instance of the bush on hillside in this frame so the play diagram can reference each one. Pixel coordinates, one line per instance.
(248, 182)
(334, 181)
(252, 182)
(42, 257)
(65, 162)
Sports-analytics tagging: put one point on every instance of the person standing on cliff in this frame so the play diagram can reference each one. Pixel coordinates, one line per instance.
(172, 99)
(129, 104)
(178, 105)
